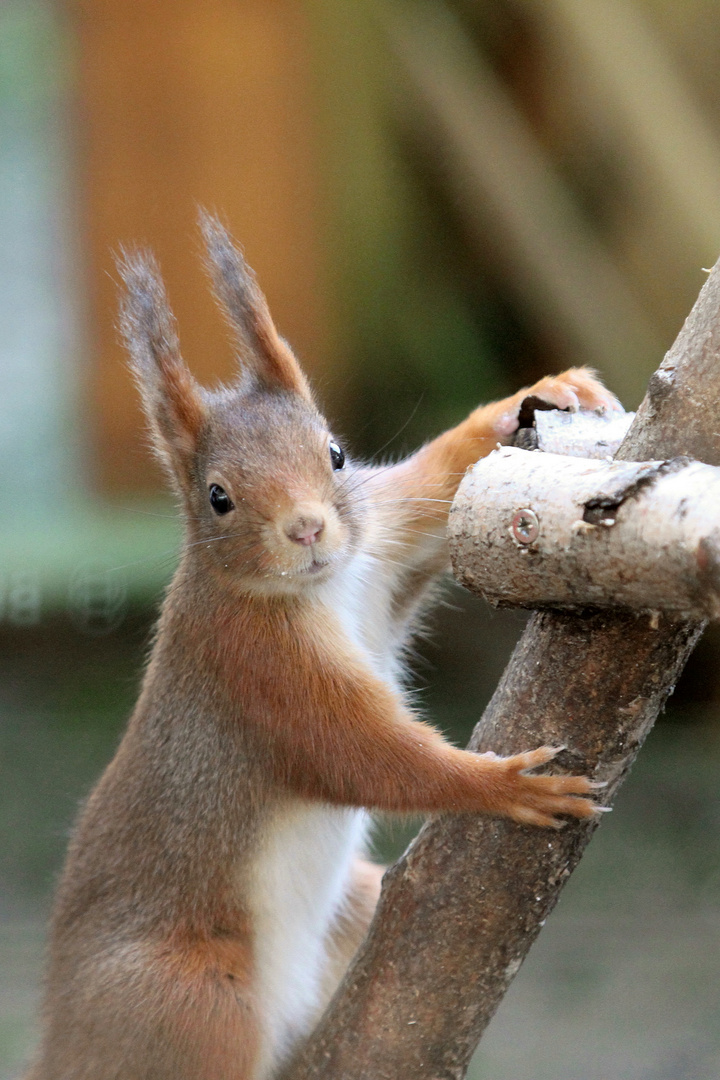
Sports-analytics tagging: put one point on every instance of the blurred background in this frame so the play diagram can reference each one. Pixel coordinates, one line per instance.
(443, 201)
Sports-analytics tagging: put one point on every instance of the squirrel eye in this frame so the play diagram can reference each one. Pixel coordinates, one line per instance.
(337, 456)
(220, 500)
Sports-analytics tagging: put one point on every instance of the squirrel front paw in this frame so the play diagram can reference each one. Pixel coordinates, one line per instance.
(538, 800)
(574, 389)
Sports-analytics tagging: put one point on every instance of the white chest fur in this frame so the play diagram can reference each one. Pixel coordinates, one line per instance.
(359, 599)
(299, 881)
(301, 874)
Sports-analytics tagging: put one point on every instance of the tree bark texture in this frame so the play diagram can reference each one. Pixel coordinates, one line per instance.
(539, 530)
(461, 908)
(582, 434)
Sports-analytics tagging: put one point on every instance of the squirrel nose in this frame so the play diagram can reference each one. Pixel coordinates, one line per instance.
(306, 530)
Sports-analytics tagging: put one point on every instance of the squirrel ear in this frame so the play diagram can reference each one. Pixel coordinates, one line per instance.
(261, 348)
(172, 399)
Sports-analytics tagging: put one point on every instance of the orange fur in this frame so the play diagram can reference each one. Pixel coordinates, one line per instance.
(435, 471)
(335, 733)
(189, 412)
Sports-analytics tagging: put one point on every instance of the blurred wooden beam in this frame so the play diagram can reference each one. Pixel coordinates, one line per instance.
(511, 198)
(629, 88)
(181, 103)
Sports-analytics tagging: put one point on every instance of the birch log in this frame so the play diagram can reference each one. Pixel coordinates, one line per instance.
(582, 434)
(460, 909)
(539, 530)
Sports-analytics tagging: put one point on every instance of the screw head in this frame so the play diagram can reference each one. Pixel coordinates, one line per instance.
(525, 526)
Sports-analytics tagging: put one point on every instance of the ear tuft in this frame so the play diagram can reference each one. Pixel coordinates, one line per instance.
(172, 399)
(262, 350)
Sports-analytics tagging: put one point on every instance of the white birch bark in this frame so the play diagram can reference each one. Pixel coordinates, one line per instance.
(541, 530)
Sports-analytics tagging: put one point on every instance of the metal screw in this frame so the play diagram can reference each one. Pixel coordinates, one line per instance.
(525, 526)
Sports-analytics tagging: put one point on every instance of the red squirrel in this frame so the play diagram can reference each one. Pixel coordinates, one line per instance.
(215, 889)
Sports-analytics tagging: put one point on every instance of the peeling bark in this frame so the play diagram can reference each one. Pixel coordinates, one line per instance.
(460, 910)
(580, 434)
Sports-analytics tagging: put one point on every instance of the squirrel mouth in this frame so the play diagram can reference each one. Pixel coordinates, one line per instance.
(315, 567)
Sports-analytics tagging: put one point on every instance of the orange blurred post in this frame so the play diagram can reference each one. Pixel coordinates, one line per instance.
(183, 103)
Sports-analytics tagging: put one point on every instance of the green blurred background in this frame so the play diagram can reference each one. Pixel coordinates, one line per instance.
(443, 201)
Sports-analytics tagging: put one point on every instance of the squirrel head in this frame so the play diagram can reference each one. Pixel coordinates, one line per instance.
(267, 492)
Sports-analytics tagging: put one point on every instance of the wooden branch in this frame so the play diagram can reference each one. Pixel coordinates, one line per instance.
(627, 85)
(539, 530)
(575, 434)
(461, 908)
(509, 195)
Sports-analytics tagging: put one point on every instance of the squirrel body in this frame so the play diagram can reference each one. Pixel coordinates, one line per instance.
(215, 888)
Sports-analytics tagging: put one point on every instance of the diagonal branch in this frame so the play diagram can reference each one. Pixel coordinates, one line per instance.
(461, 908)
